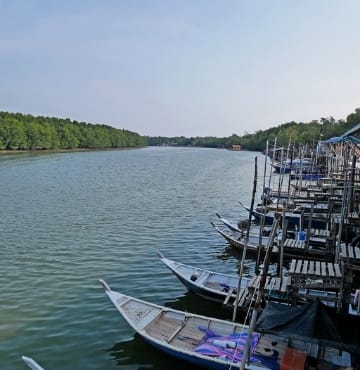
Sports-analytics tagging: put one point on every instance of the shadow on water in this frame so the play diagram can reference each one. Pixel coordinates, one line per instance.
(190, 302)
(230, 253)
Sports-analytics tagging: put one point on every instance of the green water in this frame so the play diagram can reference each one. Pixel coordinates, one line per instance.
(68, 219)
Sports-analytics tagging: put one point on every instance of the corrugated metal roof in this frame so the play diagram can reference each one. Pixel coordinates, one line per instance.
(342, 139)
(352, 131)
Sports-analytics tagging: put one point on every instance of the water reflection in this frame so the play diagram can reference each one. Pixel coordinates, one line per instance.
(193, 303)
(229, 253)
(70, 218)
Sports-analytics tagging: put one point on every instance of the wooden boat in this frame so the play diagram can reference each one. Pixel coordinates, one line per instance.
(315, 248)
(295, 218)
(211, 285)
(237, 240)
(298, 164)
(222, 288)
(310, 176)
(31, 363)
(209, 342)
(200, 340)
(240, 227)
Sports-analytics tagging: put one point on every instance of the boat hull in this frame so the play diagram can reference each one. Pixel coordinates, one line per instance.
(212, 343)
(210, 285)
(318, 221)
(196, 339)
(204, 363)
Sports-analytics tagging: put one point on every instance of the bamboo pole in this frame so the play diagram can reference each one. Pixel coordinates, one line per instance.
(262, 219)
(272, 161)
(245, 244)
(246, 353)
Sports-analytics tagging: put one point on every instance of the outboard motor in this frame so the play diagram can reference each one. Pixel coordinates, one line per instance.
(243, 225)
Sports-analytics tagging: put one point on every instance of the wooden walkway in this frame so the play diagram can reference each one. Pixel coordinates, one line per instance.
(316, 279)
(350, 253)
(272, 284)
(295, 244)
(320, 233)
(310, 277)
(315, 269)
(243, 299)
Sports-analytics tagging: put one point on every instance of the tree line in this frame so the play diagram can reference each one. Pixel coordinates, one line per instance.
(299, 133)
(208, 141)
(24, 131)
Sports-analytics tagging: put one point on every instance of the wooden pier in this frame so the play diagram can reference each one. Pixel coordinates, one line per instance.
(308, 277)
(350, 253)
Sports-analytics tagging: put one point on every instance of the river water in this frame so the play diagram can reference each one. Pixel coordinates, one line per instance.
(68, 219)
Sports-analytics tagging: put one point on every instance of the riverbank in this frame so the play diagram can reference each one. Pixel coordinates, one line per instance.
(38, 151)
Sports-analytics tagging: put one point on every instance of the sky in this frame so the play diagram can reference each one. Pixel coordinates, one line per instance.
(181, 67)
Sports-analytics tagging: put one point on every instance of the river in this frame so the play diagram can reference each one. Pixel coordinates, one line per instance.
(68, 219)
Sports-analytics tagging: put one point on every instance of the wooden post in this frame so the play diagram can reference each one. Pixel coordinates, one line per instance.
(289, 179)
(281, 246)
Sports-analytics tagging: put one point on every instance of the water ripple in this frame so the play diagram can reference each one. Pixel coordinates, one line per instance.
(69, 219)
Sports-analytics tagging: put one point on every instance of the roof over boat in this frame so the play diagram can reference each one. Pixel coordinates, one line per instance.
(342, 139)
(353, 130)
(314, 321)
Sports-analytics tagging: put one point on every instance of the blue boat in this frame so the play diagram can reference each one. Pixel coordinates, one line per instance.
(304, 165)
(298, 218)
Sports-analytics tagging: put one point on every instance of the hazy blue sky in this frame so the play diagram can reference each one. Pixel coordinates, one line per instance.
(181, 67)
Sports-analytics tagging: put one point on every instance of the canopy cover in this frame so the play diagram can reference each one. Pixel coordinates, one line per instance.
(313, 321)
(342, 139)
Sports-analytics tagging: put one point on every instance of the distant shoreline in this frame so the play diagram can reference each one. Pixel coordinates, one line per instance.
(37, 151)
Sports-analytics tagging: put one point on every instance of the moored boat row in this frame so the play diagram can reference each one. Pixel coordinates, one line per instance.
(289, 339)
(229, 290)
(220, 344)
(307, 241)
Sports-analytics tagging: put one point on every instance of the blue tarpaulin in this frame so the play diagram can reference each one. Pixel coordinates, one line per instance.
(342, 139)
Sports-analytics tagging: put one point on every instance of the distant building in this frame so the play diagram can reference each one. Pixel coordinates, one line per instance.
(236, 147)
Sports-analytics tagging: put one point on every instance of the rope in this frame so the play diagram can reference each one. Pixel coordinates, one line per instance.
(243, 326)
